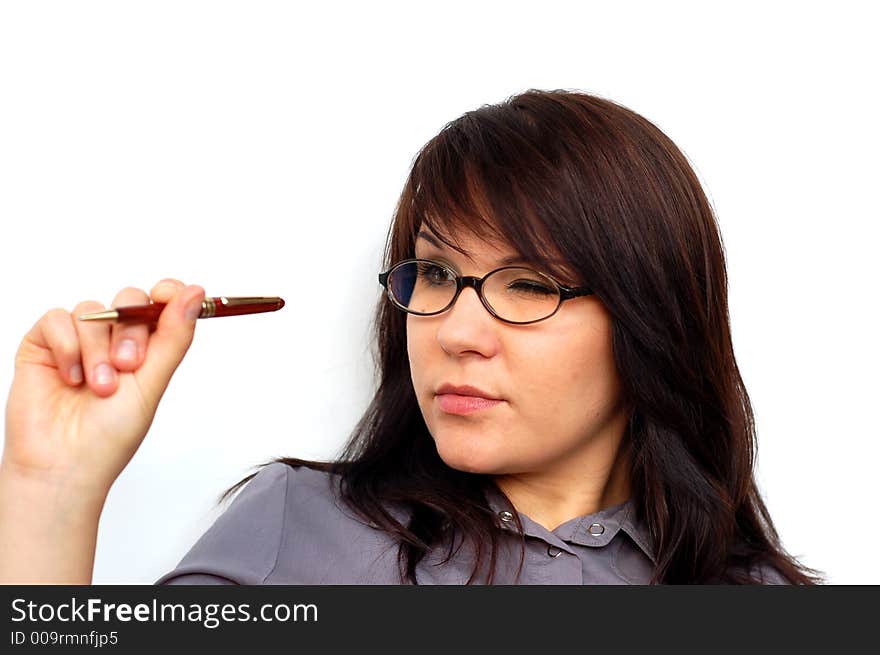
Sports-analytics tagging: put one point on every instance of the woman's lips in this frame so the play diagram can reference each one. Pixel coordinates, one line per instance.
(455, 404)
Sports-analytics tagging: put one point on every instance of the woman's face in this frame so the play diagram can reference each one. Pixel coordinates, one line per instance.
(556, 378)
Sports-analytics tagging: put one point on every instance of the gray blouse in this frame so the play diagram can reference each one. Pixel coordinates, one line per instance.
(288, 526)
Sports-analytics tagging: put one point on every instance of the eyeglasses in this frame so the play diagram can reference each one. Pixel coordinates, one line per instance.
(512, 294)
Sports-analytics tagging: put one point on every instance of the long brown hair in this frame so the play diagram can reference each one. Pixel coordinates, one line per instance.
(572, 174)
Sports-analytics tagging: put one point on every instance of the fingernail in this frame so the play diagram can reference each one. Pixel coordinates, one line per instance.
(103, 373)
(193, 309)
(76, 373)
(127, 350)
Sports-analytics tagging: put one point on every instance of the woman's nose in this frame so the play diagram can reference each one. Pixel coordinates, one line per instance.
(467, 326)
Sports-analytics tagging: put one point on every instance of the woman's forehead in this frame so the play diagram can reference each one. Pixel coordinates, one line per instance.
(466, 244)
(500, 252)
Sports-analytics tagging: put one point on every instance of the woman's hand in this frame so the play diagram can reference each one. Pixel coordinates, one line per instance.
(85, 393)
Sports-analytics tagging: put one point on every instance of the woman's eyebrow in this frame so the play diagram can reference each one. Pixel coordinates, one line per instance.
(514, 259)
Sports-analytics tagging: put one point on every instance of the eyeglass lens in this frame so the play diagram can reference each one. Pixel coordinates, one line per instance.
(516, 294)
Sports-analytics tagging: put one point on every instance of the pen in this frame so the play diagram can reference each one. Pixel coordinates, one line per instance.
(211, 307)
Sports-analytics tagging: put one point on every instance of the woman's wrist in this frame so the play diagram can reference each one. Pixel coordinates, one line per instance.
(62, 488)
(48, 528)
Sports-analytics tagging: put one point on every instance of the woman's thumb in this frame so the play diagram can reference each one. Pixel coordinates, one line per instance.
(170, 342)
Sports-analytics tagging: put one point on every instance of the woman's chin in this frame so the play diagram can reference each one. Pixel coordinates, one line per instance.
(471, 458)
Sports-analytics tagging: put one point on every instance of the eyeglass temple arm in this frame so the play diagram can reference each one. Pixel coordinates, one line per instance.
(566, 292)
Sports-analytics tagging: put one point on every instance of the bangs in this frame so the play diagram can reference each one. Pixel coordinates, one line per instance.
(487, 185)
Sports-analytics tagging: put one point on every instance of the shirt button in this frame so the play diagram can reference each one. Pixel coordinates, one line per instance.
(553, 551)
(505, 516)
(596, 529)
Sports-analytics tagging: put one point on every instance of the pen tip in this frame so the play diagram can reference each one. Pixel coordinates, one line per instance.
(109, 314)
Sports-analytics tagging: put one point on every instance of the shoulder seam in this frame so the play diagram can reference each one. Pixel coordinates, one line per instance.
(283, 523)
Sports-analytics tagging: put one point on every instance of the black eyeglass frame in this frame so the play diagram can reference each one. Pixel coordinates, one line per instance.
(462, 281)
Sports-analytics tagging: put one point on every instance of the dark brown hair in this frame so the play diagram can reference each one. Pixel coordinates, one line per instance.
(567, 173)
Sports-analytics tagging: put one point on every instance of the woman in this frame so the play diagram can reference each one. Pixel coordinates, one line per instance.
(558, 398)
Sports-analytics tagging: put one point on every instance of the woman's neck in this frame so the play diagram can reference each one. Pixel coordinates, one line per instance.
(597, 479)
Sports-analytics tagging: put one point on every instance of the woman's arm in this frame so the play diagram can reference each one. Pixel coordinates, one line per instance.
(78, 409)
(48, 531)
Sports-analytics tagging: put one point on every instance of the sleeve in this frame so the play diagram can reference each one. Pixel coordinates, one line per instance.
(242, 545)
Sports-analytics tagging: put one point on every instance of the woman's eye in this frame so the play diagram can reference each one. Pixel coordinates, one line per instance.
(531, 287)
(433, 273)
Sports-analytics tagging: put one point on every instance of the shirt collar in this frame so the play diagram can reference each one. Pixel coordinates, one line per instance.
(594, 530)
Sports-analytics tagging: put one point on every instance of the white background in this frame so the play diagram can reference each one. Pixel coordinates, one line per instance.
(254, 147)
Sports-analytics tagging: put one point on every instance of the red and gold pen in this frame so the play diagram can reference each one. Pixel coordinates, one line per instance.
(211, 307)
